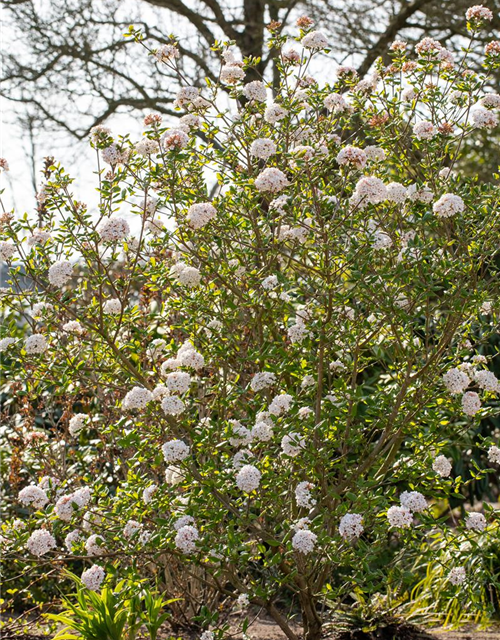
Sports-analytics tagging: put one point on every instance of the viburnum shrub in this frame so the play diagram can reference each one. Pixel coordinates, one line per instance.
(251, 358)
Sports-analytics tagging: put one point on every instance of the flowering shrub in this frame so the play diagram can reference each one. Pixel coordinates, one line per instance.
(250, 360)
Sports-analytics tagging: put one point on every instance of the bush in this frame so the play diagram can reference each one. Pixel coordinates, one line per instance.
(254, 353)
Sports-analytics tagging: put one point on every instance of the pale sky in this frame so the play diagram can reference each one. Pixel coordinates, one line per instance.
(78, 158)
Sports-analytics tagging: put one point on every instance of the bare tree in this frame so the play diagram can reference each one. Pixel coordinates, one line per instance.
(72, 66)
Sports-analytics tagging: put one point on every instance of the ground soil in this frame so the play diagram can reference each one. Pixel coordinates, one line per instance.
(262, 628)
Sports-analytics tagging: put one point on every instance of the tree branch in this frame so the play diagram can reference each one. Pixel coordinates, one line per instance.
(399, 22)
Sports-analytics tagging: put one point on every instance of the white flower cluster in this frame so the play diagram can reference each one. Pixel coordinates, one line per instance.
(39, 308)
(314, 40)
(146, 147)
(298, 332)
(112, 306)
(7, 250)
(262, 431)
(478, 12)
(262, 380)
(262, 148)
(271, 180)
(336, 102)
(200, 214)
(241, 458)
(370, 190)
(414, 501)
(275, 113)
(34, 496)
(35, 344)
(99, 133)
(456, 381)
(240, 434)
(351, 526)
(148, 493)
(39, 236)
(255, 90)
(442, 466)
(113, 155)
(304, 541)
(159, 392)
(243, 600)
(337, 366)
(286, 232)
(131, 528)
(60, 272)
(186, 275)
(175, 139)
(72, 539)
(5, 343)
(94, 545)
(484, 118)
(92, 578)
(167, 53)
(448, 205)
(352, 156)
(48, 482)
(178, 382)
(475, 522)
(375, 154)
(114, 230)
(188, 97)
(487, 380)
(424, 130)
(173, 475)
(471, 403)
(308, 381)
(457, 576)
(91, 519)
(270, 282)
(280, 404)
(186, 539)
(400, 517)
(175, 451)
(248, 478)
(40, 542)
(187, 356)
(231, 73)
(494, 454)
(491, 101)
(292, 444)
(73, 326)
(420, 194)
(172, 405)
(214, 326)
(67, 504)
(137, 398)
(157, 347)
(183, 521)
(303, 495)
(77, 423)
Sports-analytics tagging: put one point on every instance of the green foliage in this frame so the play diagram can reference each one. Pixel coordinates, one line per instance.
(111, 614)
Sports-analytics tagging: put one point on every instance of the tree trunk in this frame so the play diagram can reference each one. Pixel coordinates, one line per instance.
(310, 618)
(252, 38)
(281, 622)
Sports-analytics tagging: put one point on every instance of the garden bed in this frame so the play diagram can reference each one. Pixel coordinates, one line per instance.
(262, 628)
